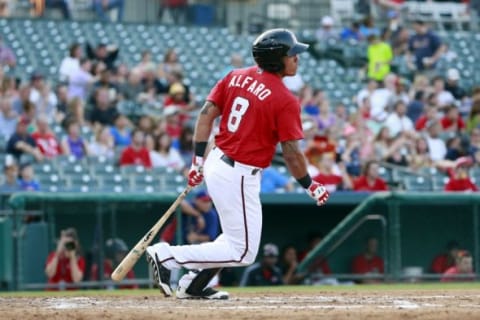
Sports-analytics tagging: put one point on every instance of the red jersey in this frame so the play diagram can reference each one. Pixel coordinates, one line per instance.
(258, 111)
(442, 263)
(330, 181)
(361, 184)
(460, 185)
(421, 123)
(108, 270)
(135, 157)
(362, 265)
(447, 123)
(63, 272)
(47, 143)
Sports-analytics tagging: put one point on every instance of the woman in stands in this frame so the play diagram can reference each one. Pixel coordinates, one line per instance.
(74, 144)
(103, 144)
(65, 265)
(164, 155)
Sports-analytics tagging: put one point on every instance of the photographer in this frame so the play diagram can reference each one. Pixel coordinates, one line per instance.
(65, 265)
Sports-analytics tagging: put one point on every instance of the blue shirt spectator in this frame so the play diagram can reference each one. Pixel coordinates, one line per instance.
(425, 46)
(272, 180)
(27, 181)
(352, 32)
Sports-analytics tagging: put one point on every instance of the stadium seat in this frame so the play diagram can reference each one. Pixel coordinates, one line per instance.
(418, 184)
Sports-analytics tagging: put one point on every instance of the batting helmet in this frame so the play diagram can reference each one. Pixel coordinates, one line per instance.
(271, 46)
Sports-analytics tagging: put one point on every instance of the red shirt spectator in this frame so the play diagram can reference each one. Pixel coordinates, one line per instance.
(442, 263)
(362, 183)
(63, 272)
(136, 153)
(47, 144)
(452, 120)
(421, 123)
(459, 179)
(368, 262)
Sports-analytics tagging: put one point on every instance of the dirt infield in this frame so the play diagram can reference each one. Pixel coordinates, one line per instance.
(294, 304)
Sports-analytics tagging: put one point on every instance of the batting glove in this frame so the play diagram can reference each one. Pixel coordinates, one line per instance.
(195, 175)
(318, 193)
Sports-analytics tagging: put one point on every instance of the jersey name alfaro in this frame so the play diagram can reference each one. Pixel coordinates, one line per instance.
(251, 85)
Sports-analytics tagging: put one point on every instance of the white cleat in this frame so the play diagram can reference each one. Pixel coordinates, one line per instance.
(207, 293)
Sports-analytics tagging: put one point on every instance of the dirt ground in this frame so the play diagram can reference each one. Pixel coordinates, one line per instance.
(344, 304)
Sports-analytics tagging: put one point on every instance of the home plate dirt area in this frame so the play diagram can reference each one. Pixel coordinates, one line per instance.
(317, 303)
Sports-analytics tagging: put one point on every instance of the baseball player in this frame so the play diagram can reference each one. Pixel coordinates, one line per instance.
(257, 111)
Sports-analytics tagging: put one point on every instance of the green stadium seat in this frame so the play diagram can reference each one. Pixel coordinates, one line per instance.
(418, 184)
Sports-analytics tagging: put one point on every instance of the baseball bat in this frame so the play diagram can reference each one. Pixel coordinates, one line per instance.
(132, 257)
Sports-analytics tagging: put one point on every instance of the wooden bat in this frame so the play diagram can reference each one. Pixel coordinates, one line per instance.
(132, 257)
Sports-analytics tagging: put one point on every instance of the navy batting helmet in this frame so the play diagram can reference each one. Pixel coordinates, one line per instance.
(271, 46)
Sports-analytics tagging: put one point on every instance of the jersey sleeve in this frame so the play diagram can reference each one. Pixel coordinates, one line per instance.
(289, 123)
(217, 94)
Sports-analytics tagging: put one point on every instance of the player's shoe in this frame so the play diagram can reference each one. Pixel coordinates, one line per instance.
(161, 275)
(187, 289)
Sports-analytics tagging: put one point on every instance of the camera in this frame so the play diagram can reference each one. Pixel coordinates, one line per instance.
(69, 246)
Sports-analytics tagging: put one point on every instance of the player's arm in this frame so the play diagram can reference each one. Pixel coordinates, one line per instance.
(203, 128)
(297, 165)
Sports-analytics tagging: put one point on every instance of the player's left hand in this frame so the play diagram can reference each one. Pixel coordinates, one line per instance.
(195, 175)
(318, 193)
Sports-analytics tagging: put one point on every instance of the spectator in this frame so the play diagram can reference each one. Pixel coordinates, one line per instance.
(22, 143)
(42, 96)
(10, 181)
(473, 120)
(75, 112)
(352, 32)
(289, 265)
(452, 84)
(429, 115)
(164, 155)
(194, 230)
(294, 83)
(102, 7)
(177, 8)
(4, 8)
(8, 118)
(416, 106)
(452, 121)
(397, 121)
(333, 177)
(313, 101)
(266, 272)
(103, 144)
(103, 53)
(81, 80)
(176, 96)
(104, 112)
(136, 153)
(70, 64)
(7, 57)
(45, 140)
(445, 260)
(396, 34)
(380, 55)
(236, 62)
(459, 180)
(27, 181)
(370, 180)
(367, 28)
(463, 269)
(62, 102)
(273, 181)
(107, 81)
(65, 264)
(73, 144)
(436, 145)
(326, 31)
(115, 250)
(145, 63)
(39, 7)
(325, 118)
(185, 145)
(369, 263)
(424, 48)
(23, 97)
(121, 132)
(169, 65)
(419, 154)
(455, 149)
(443, 97)
(173, 124)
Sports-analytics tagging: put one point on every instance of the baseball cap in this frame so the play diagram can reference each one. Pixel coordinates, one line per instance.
(327, 21)
(453, 74)
(176, 88)
(202, 195)
(270, 250)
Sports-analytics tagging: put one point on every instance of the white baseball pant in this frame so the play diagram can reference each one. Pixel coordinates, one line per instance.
(235, 191)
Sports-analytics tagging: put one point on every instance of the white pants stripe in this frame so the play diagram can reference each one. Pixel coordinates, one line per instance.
(235, 194)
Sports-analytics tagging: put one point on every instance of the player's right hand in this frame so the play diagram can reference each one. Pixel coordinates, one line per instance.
(318, 193)
(195, 175)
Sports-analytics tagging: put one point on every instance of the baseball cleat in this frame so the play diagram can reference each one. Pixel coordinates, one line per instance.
(161, 275)
(207, 293)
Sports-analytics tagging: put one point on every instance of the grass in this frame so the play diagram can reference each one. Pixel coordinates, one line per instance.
(256, 290)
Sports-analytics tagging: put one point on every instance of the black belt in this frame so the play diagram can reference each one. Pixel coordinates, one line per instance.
(231, 163)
